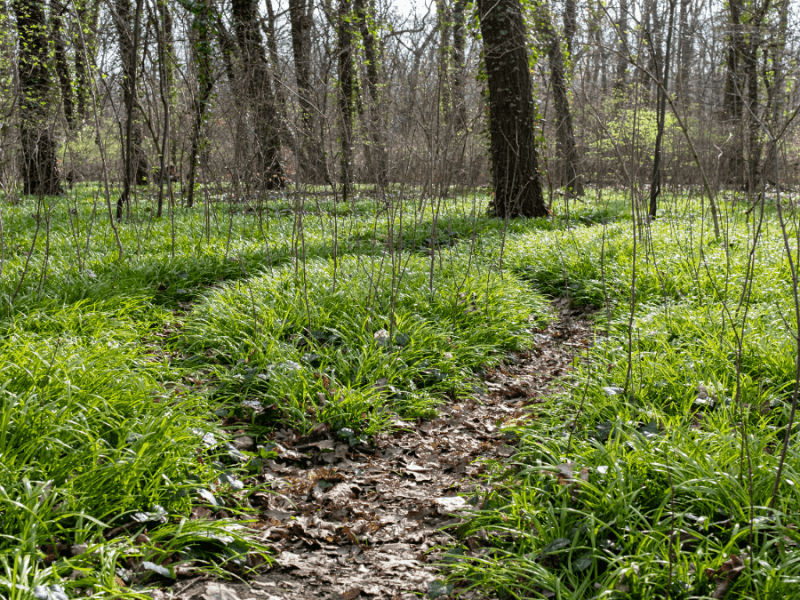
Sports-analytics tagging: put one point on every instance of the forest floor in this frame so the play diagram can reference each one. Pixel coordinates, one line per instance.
(290, 399)
(377, 520)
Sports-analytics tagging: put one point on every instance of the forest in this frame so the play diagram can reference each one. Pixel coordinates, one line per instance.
(339, 299)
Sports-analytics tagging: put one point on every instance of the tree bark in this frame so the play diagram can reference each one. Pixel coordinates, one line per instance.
(445, 50)
(733, 163)
(620, 76)
(203, 54)
(685, 53)
(514, 160)
(169, 71)
(258, 87)
(661, 112)
(312, 162)
(570, 26)
(280, 90)
(38, 145)
(345, 51)
(565, 136)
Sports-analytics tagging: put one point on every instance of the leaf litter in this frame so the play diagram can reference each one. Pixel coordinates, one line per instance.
(346, 520)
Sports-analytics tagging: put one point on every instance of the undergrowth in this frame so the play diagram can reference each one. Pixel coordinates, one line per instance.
(122, 379)
(638, 483)
(119, 375)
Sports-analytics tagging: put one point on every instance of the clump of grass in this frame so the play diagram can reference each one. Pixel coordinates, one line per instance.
(380, 344)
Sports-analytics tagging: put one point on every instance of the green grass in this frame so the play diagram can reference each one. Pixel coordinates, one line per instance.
(120, 377)
(662, 456)
(116, 374)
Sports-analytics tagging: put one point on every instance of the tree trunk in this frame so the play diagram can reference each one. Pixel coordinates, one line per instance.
(258, 87)
(203, 53)
(162, 23)
(57, 10)
(777, 91)
(38, 145)
(312, 163)
(86, 12)
(345, 50)
(733, 163)
(135, 160)
(280, 89)
(379, 161)
(622, 50)
(514, 160)
(565, 136)
(169, 71)
(663, 74)
(685, 53)
(459, 65)
(445, 49)
(570, 25)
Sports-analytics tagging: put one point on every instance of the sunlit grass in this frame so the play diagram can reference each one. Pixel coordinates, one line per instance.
(658, 496)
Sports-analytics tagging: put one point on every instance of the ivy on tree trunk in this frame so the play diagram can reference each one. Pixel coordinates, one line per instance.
(514, 160)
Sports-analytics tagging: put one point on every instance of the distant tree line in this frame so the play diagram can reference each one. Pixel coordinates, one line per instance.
(539, 97)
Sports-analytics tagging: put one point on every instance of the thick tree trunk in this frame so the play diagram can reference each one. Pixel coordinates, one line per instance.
(733, 163)
(38, 145)
(514, 160)
(57, 10)
(570, 26)
(565, 136)
(258, 86)
(312, 162)
(345, 51)
(379, 166)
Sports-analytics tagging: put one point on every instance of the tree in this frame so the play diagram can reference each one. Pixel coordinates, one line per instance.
(312, 162)
(57, 10)
(662, 72)
(377, 154)
(514, 160)
(622, 50)
(459, 66)
(86, 12)
(258, 88)
(345, 51)
(203, 55)
(134, 157)
(280, 89)
(38, 145)
(565, 136)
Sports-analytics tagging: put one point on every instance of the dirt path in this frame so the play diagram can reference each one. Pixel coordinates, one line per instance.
(356, 522)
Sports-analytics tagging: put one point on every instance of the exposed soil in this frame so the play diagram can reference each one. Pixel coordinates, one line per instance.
(372, 522)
